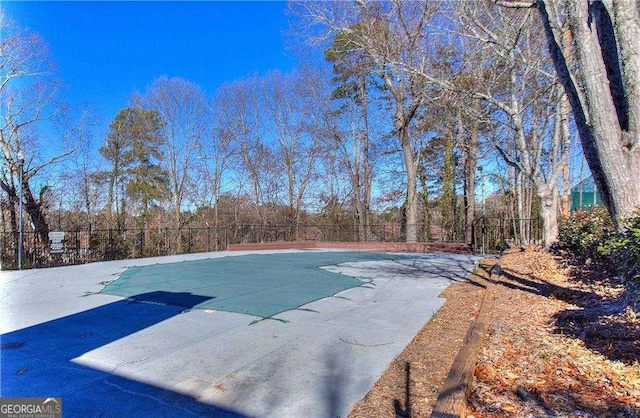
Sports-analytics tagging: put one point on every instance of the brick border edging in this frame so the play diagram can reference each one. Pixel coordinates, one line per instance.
(453, 399)
(414, 247)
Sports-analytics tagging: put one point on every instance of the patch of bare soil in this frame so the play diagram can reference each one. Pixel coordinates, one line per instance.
(413, 381)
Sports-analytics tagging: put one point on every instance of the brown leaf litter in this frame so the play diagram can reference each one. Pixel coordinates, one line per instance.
(561, 344)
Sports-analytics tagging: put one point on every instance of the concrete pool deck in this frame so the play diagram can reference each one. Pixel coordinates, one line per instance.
(110, 356)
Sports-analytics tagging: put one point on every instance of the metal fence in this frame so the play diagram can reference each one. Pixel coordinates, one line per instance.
(489, 235)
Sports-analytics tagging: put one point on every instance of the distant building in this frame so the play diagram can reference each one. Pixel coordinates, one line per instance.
(585, 195)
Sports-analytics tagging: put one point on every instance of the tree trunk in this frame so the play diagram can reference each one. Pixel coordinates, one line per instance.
(412, 207)
(524, 239)
(426, 213)
(566, 139)
(549, 214)
(291, 216)
(604, 93)
(366, 164)
(34, 209)
(216, 220)
(15, 228)
(13, 216)
(470, 157)
(402, 121)
(566, 187)
(110, 199)
(176, 218)
(360, 212)
(448, 200)
(87, 200)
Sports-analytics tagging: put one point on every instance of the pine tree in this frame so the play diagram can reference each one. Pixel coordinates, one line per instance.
(133, 147)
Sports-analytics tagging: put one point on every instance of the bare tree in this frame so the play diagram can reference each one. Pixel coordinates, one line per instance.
(599, 72)
(216, 160)
(392, 36)
(525, 93)
(350, 123)
(239, 114)
(347, 151)
(465, 63)
(291, 103)
(183, 106)
(81, 193)
(471, 121)
(408, 43)
(28, 104)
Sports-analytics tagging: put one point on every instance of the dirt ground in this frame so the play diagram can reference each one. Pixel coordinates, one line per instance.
(560, 344)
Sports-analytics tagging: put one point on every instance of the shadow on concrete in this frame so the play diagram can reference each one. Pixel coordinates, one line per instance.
(445, 266)
(37, 361)
(323, 391)
(334, 383)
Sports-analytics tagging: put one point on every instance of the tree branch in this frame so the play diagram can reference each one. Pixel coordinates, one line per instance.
(516, 4)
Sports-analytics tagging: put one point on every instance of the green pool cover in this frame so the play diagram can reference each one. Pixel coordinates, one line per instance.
(261, 285)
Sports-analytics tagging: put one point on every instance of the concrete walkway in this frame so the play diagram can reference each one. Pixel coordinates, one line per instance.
(108, 356)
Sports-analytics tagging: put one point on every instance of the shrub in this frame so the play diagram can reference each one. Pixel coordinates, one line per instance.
(584, 232)
(622, 249)
(592, 235)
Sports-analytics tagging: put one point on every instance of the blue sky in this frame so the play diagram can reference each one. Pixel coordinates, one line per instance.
(107, 50)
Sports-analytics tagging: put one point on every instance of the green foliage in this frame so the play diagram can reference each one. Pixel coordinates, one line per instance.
(134, 150)
(584, 232)
(623, 248)
(351, 67)
(592, 234)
